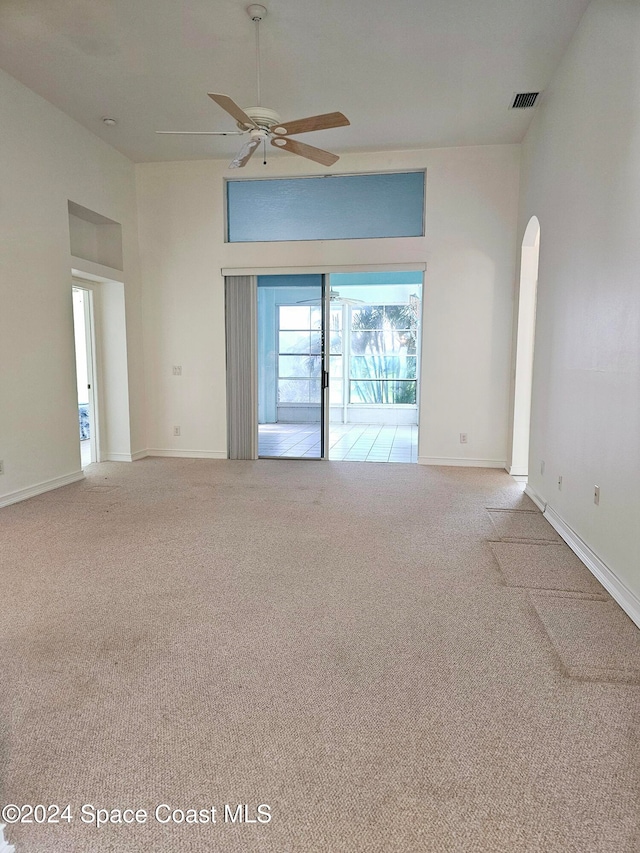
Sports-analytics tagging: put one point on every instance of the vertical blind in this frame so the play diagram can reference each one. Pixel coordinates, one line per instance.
(241, 333)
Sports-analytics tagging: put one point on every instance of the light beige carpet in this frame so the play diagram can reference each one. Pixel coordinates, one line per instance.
(548, 566)
(331, 639)
(522, 526)
(594, 639)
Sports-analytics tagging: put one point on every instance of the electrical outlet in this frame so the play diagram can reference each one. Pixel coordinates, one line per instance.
(176, 430)
(596, 495)
(1, 466)
(464, 438)
(177, 370)
(542, 467)
(560, 483)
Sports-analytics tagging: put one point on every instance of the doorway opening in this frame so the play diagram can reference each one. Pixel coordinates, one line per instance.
(292, 379)
(338, 377)
(524, 347)
(84, 348)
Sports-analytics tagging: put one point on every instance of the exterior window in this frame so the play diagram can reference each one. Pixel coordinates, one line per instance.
(336, 369)
(379, 365)
(299, 354)
(382, 364)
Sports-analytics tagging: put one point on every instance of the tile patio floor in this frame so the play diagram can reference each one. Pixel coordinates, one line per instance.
(347, 442)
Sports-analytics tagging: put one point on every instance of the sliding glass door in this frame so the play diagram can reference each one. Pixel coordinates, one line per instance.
(288, 335)
(292, 366)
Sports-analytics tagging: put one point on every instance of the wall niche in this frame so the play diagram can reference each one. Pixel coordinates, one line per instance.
(94, 237)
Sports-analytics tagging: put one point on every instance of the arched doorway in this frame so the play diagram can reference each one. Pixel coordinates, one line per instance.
(525, 335)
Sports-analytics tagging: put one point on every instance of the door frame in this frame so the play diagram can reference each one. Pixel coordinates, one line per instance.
(323, 421)
(92, 362)
(324, 384)
(325, 271)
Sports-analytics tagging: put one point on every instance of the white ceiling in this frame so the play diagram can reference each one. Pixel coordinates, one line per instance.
(407, 73)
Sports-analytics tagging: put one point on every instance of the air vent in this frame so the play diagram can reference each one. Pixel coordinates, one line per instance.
(524, 100)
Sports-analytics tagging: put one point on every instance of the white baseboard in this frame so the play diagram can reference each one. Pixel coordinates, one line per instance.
(40, 488)
(188, 454)
(459, 462)
(518, 470)
(535, 497)
(125, 457)
(619, 591)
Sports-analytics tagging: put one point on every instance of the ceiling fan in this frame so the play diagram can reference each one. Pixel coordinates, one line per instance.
(262, 124)
(334, 298)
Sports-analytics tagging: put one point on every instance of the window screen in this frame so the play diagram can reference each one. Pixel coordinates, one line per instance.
(333, 207)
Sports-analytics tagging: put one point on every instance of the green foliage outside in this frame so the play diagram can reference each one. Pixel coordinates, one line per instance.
(383, 349)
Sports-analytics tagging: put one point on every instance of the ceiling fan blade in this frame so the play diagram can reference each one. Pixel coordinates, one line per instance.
(232, 108)
(308, 151)
(334, 299)
(302, 125)
(202, 132)
(244, 154)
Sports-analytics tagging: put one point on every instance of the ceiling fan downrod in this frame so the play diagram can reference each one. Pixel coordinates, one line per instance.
(257, 13)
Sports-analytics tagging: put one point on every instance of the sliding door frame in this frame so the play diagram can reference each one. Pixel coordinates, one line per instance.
(324, 385)
(236, 330)
(323, 422)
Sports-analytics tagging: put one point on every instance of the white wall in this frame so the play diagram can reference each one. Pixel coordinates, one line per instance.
(581, 178)
(472, 200)
(45, 160)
